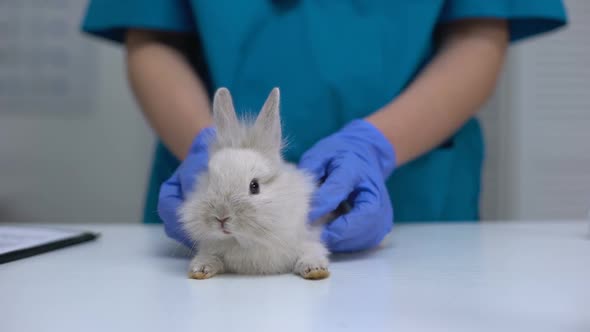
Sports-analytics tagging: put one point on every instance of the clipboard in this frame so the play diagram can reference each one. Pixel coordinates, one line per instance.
(18, 242)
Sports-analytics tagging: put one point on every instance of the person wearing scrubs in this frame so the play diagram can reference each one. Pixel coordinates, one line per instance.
(378, 97)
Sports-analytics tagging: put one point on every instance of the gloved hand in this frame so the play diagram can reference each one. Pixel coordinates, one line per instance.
(174, 191)
(353, 164)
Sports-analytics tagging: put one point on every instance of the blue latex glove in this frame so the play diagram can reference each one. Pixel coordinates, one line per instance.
(353, 165)
(174, 191)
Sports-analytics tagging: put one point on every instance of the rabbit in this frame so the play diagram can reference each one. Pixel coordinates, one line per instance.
(248, 213)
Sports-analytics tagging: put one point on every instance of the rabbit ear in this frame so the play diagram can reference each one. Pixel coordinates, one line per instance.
(224, 116)
(268, 122)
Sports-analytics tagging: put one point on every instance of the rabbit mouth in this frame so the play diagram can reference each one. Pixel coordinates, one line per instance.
(224, 230)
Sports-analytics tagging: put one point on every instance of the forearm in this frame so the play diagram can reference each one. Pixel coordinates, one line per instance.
(448, 92)
(170, 94)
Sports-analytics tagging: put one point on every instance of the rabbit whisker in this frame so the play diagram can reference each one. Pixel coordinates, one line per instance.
(267, 232)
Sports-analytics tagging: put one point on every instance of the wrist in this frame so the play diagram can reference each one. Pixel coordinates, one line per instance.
(384, 151)
(203, 138)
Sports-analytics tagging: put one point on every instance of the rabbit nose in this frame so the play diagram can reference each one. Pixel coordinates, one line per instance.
(222, 220)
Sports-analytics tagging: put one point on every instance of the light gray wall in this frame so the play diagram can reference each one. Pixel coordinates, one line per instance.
(495, 122)
(550, 79)
(538, 130)
(77, 166)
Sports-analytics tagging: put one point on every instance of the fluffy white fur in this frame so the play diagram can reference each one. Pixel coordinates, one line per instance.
(265, 233)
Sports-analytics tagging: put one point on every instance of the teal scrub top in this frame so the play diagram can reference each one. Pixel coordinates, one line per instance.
(334, 61)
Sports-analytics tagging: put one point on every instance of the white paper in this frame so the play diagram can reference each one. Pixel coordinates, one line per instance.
(16, 238)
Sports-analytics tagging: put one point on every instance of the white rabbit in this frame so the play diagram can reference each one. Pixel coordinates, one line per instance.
(248, 212)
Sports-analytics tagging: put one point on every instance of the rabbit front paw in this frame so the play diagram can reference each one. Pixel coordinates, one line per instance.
(205, 267)
(312, 268)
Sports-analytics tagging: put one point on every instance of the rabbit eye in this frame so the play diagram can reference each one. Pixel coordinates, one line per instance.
(254, 187)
